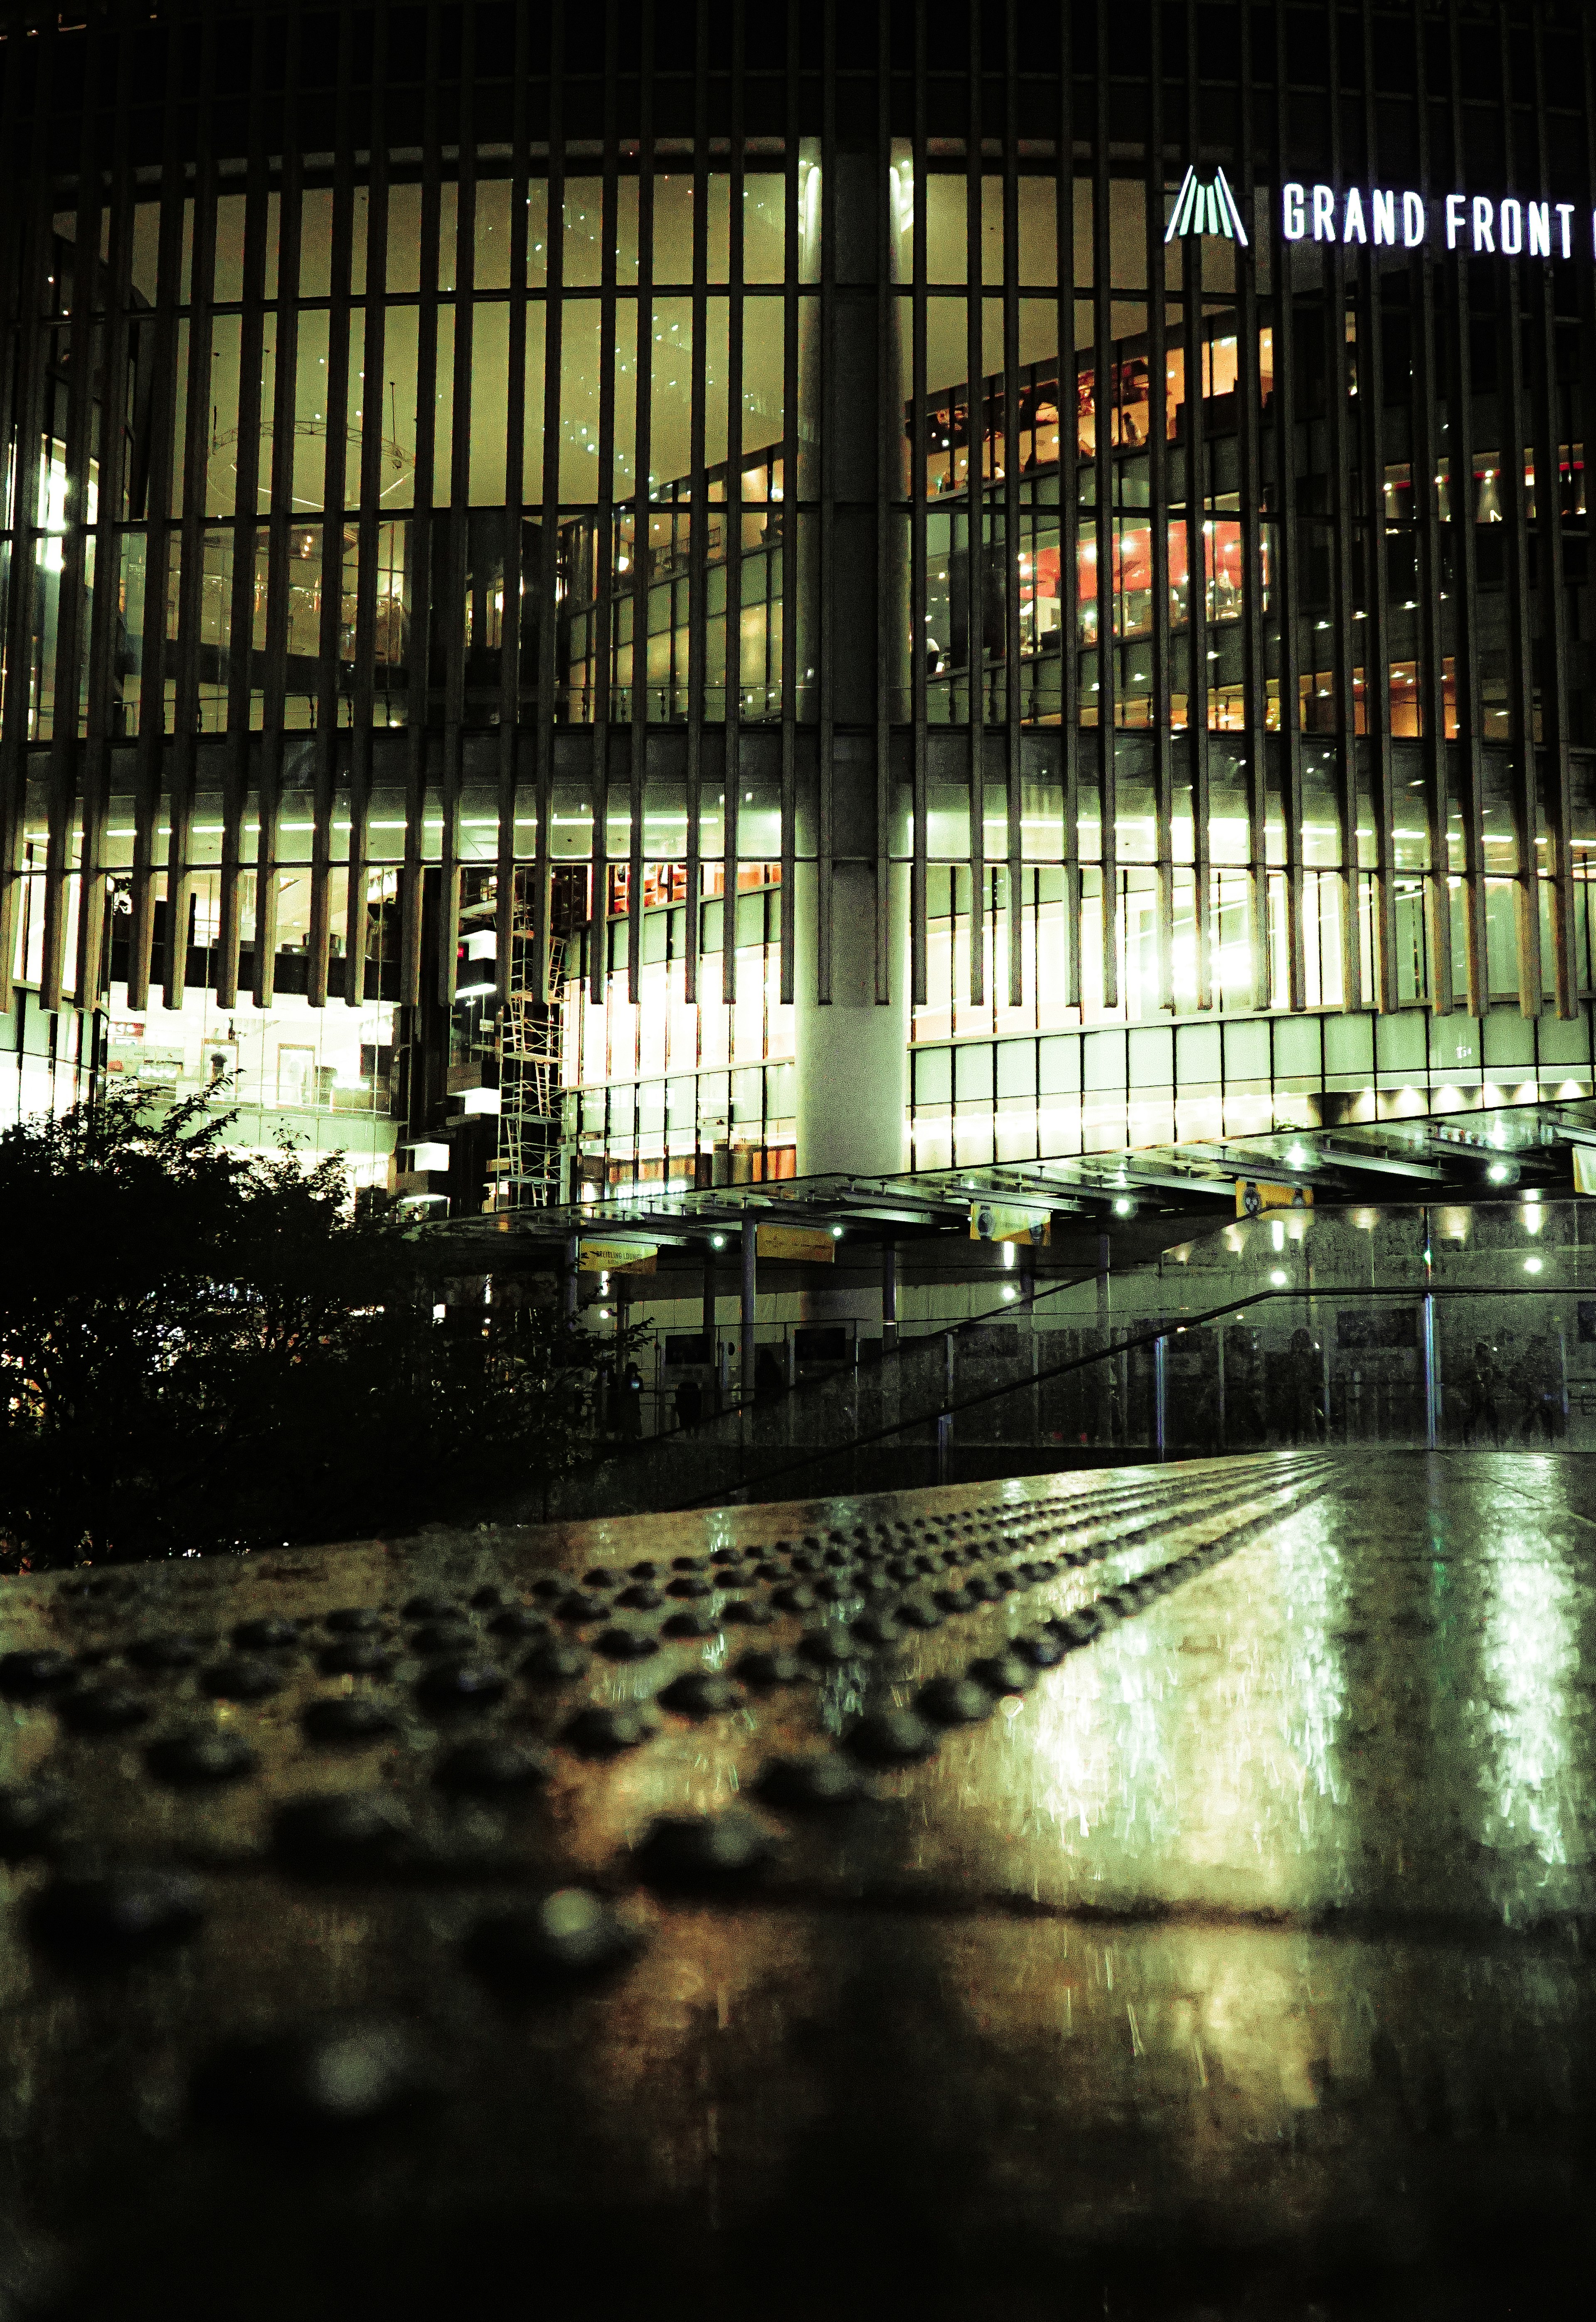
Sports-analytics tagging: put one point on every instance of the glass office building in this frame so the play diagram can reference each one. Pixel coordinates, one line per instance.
(635, 596)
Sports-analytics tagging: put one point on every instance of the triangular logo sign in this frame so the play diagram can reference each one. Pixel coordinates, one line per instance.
(1206, 208)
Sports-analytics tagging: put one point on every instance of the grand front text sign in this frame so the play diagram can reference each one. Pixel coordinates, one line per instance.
(1386, 218)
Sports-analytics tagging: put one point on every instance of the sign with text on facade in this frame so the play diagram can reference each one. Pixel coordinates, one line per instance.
(800, 1245)
(1256, 1194)
(1006, 1221)
(617, 1257)
(1480, 226)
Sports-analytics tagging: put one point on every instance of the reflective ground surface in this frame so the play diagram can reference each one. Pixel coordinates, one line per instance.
(1224, 1951)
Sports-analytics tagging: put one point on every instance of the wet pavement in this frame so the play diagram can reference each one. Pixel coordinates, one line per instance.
(1165, 1892)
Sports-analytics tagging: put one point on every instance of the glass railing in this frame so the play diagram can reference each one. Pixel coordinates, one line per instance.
(1426, 1326)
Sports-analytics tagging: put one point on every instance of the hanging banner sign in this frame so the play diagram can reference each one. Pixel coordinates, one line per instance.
(799, 1244)
(1001, 1222)
(1256, 1194)
(1583, 1157)
(1385, 217)
(617, 1257)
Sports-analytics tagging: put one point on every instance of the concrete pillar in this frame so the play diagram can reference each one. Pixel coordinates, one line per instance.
(889, 1295)
(851, 1055)
(851, 1051)
(569, 1274)
(749, 1284)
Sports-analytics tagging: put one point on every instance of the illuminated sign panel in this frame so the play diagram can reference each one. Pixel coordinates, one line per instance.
(1206, 207)
(1472, 223)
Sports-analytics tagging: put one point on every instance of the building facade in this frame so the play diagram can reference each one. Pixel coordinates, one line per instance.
(617, 598)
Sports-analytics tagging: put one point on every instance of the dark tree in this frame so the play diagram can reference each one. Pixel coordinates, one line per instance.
(202, 1348)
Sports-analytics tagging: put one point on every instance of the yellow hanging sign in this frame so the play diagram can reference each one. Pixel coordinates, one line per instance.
(1002, 1221)
(799, 1244)
(617, 1257)
(1256, 1194)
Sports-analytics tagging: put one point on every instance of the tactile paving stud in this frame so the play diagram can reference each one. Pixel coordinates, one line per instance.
(351, 1833)
(460, 1684)
(689, 1622)
(96, 1917)
(747, 1612)
(623, 1644)
(765, 1669)
(353, 1620)
(690, 1585)
(639, 1597)
(890, 1737)
(704, 1853)
(793, 1597)
(699, 1694)
(102, 1709)
(25, 1676)
(876, 1628)
(427, 1607)
(267, 1632)
(954, 1701)
(555, 1663)
(245, 1676)
(168, 1649)
(348, 1717)
(828, 1649)
(1039, 1647)
(456, 1636)
(567, 1937)
(30, 1815)
(489, 1596)
(578, 1605)
(688, 1563)
(490, 1769)
(918, 1612)
(1075, 1629)
(201, 1757)
(355, 1656)
(598, 1578)
(518, 1620)
(325, 2079)
(1000, 1673)
(597, 1731)
(801, 1783)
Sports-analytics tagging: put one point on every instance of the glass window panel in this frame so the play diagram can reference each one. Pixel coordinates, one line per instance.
(537, 233)
(992, 229)
(315, 243)
(397, 392)
(1082, 209)
(673, 228)
(531, 440)
(222, 439)
(579, 401)
(359, 242)
(717, 321)
(490, 350)
(763, 373)
(946, 229)
(444, 439)
(448, 234)
(228, 278)
(1038, 231)
(179, 416)
(947, 360)
(1127, 233)
(625, 393)
(493, 235)
(274, 207)
(626, 233)
(583, 232)
(718, 228)
(404, 238)
(355, 407)
(146, 252)
(764, 227)
(310, 410)
(670, 437)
